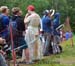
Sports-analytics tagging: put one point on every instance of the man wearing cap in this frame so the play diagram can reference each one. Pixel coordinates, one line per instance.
(46, 22)
(56, 33)
(32, 20)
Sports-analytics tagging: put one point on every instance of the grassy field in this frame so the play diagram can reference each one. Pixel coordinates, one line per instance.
(66, 58)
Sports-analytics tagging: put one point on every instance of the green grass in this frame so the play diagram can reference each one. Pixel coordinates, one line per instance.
(66, 58)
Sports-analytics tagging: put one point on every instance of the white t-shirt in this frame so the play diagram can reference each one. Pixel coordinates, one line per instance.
(33, 20)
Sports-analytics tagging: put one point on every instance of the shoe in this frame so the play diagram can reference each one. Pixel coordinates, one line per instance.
(16, 64)
(29, 62)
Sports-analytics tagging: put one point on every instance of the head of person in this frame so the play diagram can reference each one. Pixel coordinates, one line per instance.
(52, 12)
(46, 13)
(57, 15)
(4, 10)
(30, 9)
(16, 11)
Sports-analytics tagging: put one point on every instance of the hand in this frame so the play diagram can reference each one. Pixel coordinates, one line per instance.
(25, 19)
(2, 52)
(27, 15)
(2, 41)
(41, 31)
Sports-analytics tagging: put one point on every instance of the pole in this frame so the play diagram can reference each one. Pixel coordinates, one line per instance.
(12, 42)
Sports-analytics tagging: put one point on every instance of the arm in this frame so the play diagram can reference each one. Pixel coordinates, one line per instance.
(27, 18)
(6, 21)
(41, 27)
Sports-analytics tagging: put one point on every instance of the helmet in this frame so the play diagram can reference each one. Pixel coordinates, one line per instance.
(52, 11)
(46, 12)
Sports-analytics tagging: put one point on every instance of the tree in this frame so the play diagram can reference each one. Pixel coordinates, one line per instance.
(65, 7)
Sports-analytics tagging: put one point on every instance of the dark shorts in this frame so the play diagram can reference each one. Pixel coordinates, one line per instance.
(20, 42)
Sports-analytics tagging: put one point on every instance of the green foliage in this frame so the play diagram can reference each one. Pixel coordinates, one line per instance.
(65, 7)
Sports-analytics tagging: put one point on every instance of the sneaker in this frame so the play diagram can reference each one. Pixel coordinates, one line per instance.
(29, 62)
(16, 64)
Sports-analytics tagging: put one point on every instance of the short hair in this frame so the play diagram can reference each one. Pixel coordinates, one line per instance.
(3, 9)
(15, 10)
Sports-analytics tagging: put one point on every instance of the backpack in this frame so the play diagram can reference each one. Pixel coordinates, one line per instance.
(1, 24)
(13, 25)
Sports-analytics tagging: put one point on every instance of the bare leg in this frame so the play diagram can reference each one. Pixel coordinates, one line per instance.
(27, 55)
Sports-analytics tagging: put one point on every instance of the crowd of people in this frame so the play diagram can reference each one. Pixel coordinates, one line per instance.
(36, 37)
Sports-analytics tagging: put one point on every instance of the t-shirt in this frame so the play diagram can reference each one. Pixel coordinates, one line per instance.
(33, 19)
(5, 20)
(68, 35)
(46, 23)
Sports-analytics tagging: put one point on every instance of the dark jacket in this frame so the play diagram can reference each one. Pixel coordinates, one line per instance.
(56, 23)
(46, 21)
(20, 24)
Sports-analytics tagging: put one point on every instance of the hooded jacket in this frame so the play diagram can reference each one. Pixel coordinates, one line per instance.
(20, 24)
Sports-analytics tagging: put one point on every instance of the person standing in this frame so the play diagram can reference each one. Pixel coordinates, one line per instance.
(18, 20)
(4, 21)
(56, 33)
(47, 31)
(32, 20)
